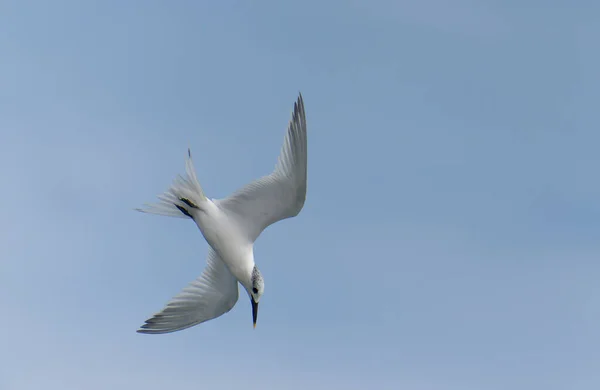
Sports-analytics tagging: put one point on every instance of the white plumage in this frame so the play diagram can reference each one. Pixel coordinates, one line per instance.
(230, 226)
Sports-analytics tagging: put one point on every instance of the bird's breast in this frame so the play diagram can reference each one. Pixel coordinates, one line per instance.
(223, 235)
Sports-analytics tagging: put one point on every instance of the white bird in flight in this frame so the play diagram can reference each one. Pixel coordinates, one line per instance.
(231, 226)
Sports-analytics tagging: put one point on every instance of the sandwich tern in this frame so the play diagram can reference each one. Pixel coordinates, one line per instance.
(231, 226)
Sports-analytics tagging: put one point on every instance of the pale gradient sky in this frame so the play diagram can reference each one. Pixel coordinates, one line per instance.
(450, 237)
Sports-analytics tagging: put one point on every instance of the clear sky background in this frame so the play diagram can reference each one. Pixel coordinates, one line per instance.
(450, 237)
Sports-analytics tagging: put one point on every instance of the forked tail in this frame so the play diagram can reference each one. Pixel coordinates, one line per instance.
(184, 195)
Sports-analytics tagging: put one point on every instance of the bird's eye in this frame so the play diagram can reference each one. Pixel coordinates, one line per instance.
(255, 290)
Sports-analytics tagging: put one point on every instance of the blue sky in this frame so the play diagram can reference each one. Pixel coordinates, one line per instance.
(450, 235)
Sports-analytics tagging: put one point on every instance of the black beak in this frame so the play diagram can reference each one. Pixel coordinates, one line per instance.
(254, 310)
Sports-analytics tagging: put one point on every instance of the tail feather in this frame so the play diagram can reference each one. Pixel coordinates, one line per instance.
(184, 194)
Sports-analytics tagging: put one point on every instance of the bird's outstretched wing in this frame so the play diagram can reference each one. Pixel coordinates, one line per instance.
(213, 294)
(282, 193)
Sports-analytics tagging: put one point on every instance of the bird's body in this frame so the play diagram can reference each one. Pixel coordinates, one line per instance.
(230, 227)
(225, 235)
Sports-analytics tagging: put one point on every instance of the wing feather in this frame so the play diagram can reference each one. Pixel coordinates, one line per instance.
(282, 193)
(211, 295)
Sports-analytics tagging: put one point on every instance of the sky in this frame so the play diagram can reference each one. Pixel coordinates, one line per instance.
(450, 236)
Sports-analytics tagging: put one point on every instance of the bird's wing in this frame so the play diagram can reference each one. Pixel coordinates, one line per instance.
(281, 194)
(213, 294)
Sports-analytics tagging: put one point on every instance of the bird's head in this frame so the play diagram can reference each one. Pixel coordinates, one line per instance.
(257, 287)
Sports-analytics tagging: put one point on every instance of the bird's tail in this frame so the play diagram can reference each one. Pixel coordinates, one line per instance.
(184, 195)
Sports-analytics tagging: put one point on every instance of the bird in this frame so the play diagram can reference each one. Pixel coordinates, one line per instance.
(231, 226)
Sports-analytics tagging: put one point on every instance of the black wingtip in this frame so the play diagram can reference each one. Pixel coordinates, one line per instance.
(189, 153)
(299, 104)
